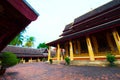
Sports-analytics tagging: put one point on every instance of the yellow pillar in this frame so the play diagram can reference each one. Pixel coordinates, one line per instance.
(90, 50)
(22, 60)
(79, 47)
(71, 50)
(30, 60)
(38, 60)
(95, 44)
(58, 52)
(61, 58)
(117, 39)
(49, 53)
(110, 42)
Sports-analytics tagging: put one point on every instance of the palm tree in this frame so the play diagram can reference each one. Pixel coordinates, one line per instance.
(30, 41)
(18, 40)
(42, 45)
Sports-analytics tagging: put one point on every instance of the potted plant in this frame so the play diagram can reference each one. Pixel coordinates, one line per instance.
(8, 59)
(67, 60)
(51, 61)
(111, 59)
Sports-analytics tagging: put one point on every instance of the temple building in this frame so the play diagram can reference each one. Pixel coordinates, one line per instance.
(91, 36)
(15, 16)
(27, 54)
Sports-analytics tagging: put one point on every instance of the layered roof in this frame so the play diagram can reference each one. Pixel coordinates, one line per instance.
(67, 29)
(101, 18)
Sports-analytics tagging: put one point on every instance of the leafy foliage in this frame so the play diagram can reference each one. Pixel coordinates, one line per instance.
(18, 40)
(44, 59)
(30, 41)
(111, 58)
(8, 59)
(67, 60)
(42, 45)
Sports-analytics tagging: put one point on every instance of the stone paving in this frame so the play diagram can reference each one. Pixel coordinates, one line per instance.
(43, 71)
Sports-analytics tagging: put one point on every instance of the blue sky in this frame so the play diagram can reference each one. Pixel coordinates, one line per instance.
(55, 14)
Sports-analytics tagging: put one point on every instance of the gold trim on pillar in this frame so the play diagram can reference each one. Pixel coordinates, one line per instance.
(71, 50)
(117, 39)
(90, 50)
(49, 53)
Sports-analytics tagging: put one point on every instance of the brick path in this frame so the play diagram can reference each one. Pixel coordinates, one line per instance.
(43, 71)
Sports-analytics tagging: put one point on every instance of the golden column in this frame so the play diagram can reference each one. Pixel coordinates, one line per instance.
(109, 41)
(61, 57)
(30, 60)
(71, 50)
(95, 44)
(49, 53)
(58, 52)
(38, 60)
(117, 39)
(90, 50)
(79, 47)
(23, 61)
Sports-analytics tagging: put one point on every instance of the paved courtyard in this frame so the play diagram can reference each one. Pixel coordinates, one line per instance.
(43, 71)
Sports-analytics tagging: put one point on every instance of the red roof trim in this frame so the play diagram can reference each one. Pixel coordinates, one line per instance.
(24, 9)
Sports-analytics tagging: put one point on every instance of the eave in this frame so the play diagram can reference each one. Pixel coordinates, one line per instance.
(15, 16)
(102, 27)
(24, 8)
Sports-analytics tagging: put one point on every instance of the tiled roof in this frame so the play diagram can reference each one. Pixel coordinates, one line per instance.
(22, 51)
(102, 18)
(97, 11)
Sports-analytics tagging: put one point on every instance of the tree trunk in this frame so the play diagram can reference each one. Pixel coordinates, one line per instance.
(2, 70)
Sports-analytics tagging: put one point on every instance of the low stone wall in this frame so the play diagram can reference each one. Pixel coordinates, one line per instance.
(102, 63)
(56, 62)
(92, 63)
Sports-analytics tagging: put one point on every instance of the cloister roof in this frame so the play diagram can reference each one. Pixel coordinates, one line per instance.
(26, 52)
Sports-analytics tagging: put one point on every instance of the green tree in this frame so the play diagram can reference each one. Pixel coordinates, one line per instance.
(8, 59)
(30, 41)
(42, 45)
(18, 40)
